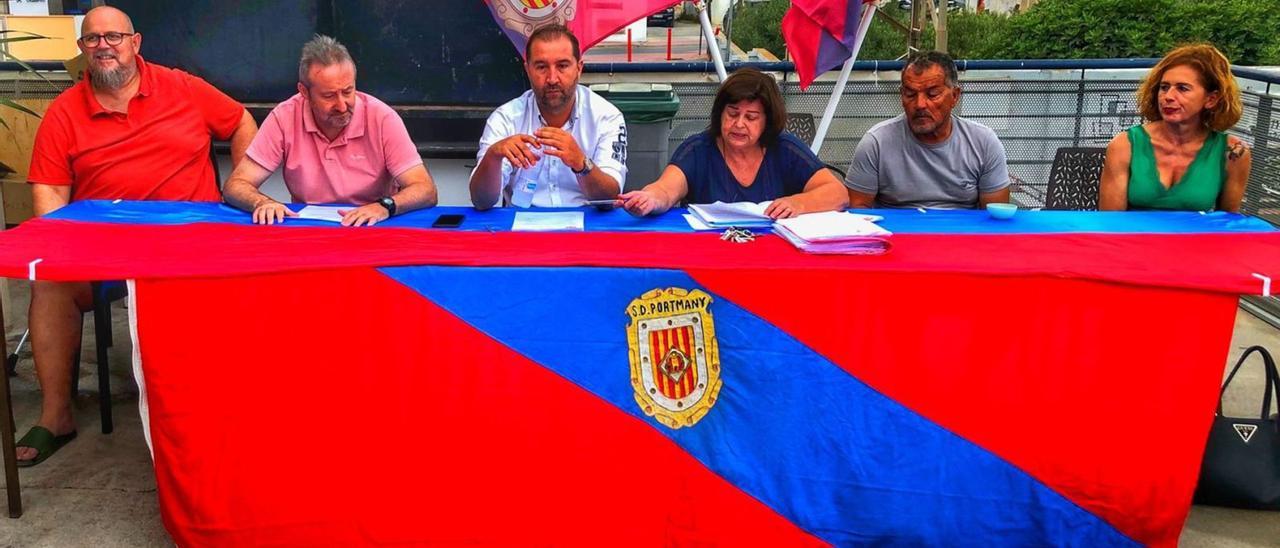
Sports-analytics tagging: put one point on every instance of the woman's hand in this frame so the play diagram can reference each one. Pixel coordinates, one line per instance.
(639, 202)
(785, 208)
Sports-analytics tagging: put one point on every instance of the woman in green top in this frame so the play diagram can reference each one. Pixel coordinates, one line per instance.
(1180, 158)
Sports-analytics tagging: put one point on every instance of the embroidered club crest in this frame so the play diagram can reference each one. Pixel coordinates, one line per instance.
(675, 361)
(523, 16)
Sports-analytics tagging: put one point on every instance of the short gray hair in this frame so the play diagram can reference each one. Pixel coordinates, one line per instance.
(924, 60)
(324, 51)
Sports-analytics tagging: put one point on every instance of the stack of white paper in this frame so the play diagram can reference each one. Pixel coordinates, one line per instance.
(834, 232)
(723, 215)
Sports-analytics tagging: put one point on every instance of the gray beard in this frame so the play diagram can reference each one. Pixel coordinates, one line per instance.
(111, 80)
(545, 106)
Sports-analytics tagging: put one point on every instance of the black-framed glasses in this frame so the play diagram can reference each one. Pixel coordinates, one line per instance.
(112, 38)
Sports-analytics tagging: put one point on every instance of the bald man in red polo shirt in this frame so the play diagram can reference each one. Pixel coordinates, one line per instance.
(131, 130)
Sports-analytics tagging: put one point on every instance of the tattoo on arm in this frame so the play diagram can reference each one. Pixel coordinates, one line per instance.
(1237, 150)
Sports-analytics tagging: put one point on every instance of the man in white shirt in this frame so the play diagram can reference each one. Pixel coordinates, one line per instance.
(578, 136)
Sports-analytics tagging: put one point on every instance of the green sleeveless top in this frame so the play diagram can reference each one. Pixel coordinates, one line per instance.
(1196, 191)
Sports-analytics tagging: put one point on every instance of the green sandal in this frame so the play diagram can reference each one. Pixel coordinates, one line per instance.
(44, 442)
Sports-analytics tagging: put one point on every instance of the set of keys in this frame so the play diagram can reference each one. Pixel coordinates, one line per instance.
(738, 235)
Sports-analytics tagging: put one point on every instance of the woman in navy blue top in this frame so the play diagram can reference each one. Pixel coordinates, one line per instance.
(744, 156)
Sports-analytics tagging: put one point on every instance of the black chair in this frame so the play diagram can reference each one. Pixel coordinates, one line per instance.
(801, 125)
(213, 158)
(105, 293)
(1074, 179)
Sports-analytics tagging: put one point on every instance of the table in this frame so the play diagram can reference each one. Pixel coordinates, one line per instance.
(1046, 381)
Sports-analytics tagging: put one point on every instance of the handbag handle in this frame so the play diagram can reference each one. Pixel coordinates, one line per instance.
(1272, 375)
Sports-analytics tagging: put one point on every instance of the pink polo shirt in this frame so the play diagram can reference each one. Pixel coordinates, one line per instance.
(357, 167)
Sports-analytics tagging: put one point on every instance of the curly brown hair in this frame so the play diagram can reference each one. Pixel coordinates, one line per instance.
(1215, 75)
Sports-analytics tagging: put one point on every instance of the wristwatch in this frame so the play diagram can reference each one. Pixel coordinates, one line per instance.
(388, 203)
(587, 166)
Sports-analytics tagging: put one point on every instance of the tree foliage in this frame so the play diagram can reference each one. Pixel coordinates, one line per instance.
(1247, 31)
(759, 25)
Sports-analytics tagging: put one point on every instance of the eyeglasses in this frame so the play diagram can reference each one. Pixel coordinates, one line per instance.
(112, 38)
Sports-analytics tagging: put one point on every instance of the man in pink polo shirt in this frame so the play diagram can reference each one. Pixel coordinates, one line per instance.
(336, 145)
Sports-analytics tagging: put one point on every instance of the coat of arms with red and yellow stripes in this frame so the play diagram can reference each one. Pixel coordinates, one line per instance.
(675, 361)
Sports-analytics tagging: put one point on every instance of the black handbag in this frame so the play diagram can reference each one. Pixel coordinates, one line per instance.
(1241, 466)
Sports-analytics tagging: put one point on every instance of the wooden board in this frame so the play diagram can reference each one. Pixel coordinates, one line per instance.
(61, 30)
(15, 143)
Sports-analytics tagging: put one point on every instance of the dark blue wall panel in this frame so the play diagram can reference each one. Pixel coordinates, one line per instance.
(429, 52)
(248, 49)
(409, 52)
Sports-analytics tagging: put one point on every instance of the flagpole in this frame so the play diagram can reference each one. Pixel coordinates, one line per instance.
(834, 100)
(712, 45)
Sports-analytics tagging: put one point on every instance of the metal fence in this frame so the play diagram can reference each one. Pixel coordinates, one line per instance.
(1033, 117)
(1035, 107)
(1034, 112)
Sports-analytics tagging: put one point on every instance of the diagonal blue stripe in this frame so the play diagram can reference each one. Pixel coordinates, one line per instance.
(790, 428)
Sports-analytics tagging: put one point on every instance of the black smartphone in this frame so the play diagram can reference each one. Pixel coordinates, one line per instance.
(450, 220)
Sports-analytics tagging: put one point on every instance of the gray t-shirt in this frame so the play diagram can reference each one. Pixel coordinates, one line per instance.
(902, 172)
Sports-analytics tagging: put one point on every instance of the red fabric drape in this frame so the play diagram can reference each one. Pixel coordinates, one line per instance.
(339, 408)
(91, 251)
(1103, 392)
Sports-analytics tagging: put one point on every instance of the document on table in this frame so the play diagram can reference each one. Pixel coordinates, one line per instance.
(696, 223)
(323, 213)
(721, 214)
(834, 232)
(832, 225)
(547, 221)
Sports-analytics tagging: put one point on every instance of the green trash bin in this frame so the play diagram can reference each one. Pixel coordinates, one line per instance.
(649, 110)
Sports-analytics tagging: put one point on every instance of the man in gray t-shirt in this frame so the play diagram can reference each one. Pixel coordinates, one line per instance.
(928, 157)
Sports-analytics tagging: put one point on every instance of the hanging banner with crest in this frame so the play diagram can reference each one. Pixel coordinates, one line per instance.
(590, 20)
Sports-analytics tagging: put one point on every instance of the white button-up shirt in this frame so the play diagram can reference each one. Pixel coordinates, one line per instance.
(596, 125)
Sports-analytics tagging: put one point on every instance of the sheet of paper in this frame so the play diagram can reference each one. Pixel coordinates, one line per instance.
(323, 213)
(547, 221)
(736, 213)
(696, 223)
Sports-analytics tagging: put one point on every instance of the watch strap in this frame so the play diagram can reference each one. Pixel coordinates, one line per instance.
(388, 203)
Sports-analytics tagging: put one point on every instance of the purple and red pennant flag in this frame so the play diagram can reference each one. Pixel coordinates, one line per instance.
(590, 20)
(821, 34)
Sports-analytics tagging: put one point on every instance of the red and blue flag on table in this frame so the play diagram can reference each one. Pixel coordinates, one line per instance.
(821, 34)
(590, 20)
(985, 383)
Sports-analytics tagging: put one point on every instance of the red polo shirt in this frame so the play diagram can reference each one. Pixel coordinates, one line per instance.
(159, 150)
